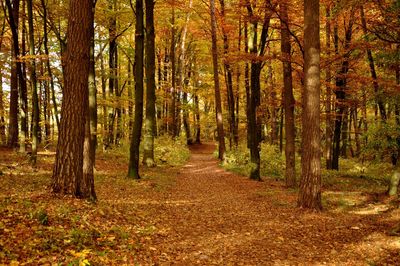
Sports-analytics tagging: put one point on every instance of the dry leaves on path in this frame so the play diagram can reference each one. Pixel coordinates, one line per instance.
(198, 214)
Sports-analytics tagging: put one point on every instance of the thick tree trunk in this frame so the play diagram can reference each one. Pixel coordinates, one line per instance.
(150, 121)
(13, 12)
(133, 170)
(218, 104)
(310, 184)
(68, 167)
(289, 103)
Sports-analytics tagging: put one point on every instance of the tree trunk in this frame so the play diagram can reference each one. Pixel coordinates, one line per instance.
(182, 80)
(130, 97)
(218, 104)
(310, 184)
(23, 91)
(13, 13)
(328, 104)
(90, 143)
(172, 106)
(197, 118)
(379, 96)
(341, 87)
(150, 122)
(3, 136)
(133, 171)
(345, 133)
(229, 81)
(35, 99)
(48, 66)
(289, 102)
(104, 97)
(113, 80)
(254, 124)
(237, 94)
(68, 167)
(274, 107)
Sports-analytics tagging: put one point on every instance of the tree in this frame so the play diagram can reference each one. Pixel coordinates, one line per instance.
(256, 49)
(90, 143)
(182, 79)
(341, 89)
(3, 137)
(16, 73)
(150, 121)
(289, 102)
(310, 184)
(68, 167)
(133, 170)
(172, 128)
(35, 99)
(218, 106)
(229, 82)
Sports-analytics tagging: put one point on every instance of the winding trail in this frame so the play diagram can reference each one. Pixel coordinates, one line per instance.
(213, 217)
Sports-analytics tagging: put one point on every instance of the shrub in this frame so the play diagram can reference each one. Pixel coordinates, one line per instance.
(272, 160)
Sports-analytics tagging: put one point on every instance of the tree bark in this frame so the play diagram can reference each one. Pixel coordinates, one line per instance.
(133, 170)
(172, 106)
(48, 66)
(35, 99)
(228, 80)
(253, 103)
(289, 102)
(150, 122)
(113, 80)
(218, 104)
(310, 184)
(68, 167)
(182, 79)
(341, 86)
(328, 82)
(16, 71)
(3, 136)
(90, 143)
(23, 91)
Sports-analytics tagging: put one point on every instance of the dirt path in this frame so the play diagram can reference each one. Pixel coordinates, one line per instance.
(212, 217)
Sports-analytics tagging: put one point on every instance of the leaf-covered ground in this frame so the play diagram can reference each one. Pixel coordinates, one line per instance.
(195, 214)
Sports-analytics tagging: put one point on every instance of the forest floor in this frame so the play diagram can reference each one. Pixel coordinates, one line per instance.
(197, 214)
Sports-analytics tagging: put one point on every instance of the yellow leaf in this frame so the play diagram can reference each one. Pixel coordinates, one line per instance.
(84, 262)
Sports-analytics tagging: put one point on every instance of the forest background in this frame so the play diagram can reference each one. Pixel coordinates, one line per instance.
(302, 98)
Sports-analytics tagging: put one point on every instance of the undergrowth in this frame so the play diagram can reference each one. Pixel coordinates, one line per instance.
(366, 174)
(167, 151)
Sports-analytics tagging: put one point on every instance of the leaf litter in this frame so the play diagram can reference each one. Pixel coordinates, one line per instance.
(197, 214)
